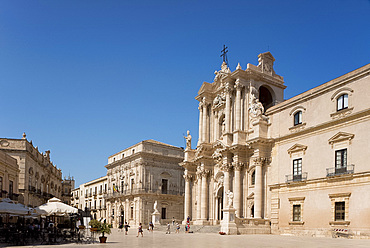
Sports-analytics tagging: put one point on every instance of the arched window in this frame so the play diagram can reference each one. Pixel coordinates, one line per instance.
(298, 118)
(265, 97)
(342, 102)
(253, 178)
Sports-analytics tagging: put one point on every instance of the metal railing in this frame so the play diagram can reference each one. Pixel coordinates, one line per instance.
(296, 178)
(335, 171)
(143, 191)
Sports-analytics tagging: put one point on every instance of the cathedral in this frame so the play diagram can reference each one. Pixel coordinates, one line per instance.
(265, 164)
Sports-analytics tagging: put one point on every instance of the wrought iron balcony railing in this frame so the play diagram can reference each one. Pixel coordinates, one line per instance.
(296, 178)
(335, 171)
(143, 191)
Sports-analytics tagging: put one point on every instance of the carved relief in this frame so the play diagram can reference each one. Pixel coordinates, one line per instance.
(221, 74)
(219, 100)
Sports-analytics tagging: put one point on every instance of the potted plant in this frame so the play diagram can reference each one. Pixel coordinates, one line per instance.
(95, 225)
(104, 228)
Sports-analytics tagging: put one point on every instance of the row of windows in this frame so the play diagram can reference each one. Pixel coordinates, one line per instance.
(339, 211)
(340, 164)
(342, 103)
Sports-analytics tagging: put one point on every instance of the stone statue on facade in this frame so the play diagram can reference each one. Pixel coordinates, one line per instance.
(155, 207)
(188, 140)
(256, 108)
(223, 72)
(230, 197)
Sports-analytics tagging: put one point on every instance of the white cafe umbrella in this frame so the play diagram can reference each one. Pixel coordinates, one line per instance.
(54, 206)
(7, 206)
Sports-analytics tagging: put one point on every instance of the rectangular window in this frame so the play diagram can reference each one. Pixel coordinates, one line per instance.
(340, 161)
(164, 186)
(340, 211)
(297, 169)
(298, 118)
(342, 102)
(132, 183)
(163, 213)
(296, 212)
(10, 188)
(132, 212)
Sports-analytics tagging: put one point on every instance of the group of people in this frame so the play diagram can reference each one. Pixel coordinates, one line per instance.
(151, 227)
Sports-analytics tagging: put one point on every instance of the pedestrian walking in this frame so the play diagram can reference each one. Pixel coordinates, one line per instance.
(177, 228)
(151, 227)
(126, 226)
(168, 228)
(173, 221)
(140, 230)
(188, 227)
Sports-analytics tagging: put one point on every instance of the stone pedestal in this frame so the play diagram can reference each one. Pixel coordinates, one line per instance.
(228, 224)
(156, 216)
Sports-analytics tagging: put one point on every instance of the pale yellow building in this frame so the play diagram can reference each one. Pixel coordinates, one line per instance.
(292, 166)
(141, 175)
(89, 197)
(39, 179)
(9, 174)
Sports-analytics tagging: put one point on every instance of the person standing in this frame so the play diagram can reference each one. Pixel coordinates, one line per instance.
(140, 230)
(126, 226)
(168, 228)
(177, 228)
(173, 221)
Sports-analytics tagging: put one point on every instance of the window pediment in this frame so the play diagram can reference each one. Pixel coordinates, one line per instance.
(297, 148)
(345, 90)
(341, 136)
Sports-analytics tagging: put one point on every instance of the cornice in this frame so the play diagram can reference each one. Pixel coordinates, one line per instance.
(353, 117)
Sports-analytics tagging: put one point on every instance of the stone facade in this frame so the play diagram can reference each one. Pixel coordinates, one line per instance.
(89, 196)
(9, 174)
(141, 175)
(39, 179)
(298, 165)
(68, 184)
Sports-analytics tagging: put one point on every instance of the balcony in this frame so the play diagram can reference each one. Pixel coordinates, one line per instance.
(143, 191)
(296, 178)
(334, 171)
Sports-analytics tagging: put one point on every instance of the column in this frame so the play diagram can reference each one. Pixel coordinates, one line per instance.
(200, 122)
(238, 87)
(258, 189)
(204, 197)
(199, 194)
(227, 109)
(237, 192)
(215, 127)
(187, 207)
(204, 128)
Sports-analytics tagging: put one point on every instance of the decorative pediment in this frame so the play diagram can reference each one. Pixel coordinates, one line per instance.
(341, 136)
(297, 148)
(206, 87)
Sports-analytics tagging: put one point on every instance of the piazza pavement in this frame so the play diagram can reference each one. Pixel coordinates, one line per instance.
(191, 240)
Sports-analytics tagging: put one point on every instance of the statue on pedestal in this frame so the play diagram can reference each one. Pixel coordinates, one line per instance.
(230, 197)
(188, 141)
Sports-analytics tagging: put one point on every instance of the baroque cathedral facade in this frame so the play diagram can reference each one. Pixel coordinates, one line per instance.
(289, 166)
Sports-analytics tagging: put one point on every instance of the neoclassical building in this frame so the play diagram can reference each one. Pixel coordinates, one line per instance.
(90, 197)
(141, 175)
(9, 175)
(39, 179)
(293, 166)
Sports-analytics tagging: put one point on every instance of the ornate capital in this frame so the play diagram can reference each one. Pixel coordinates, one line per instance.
(226, 167)
(238, 166)
(188, 177)
(238, 85)
(205, 173)
(261, 161)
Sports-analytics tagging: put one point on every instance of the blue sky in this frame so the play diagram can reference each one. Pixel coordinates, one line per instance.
(89, 78)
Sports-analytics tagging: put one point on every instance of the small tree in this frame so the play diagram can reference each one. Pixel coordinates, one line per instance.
(104, 228)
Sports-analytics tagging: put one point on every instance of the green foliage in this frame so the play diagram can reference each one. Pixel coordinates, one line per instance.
(104, 228)
(95, 223)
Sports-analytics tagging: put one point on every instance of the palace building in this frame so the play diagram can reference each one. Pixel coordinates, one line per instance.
(296, 166)
(143, 178)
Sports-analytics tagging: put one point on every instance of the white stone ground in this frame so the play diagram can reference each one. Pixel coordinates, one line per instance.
(159, 239)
